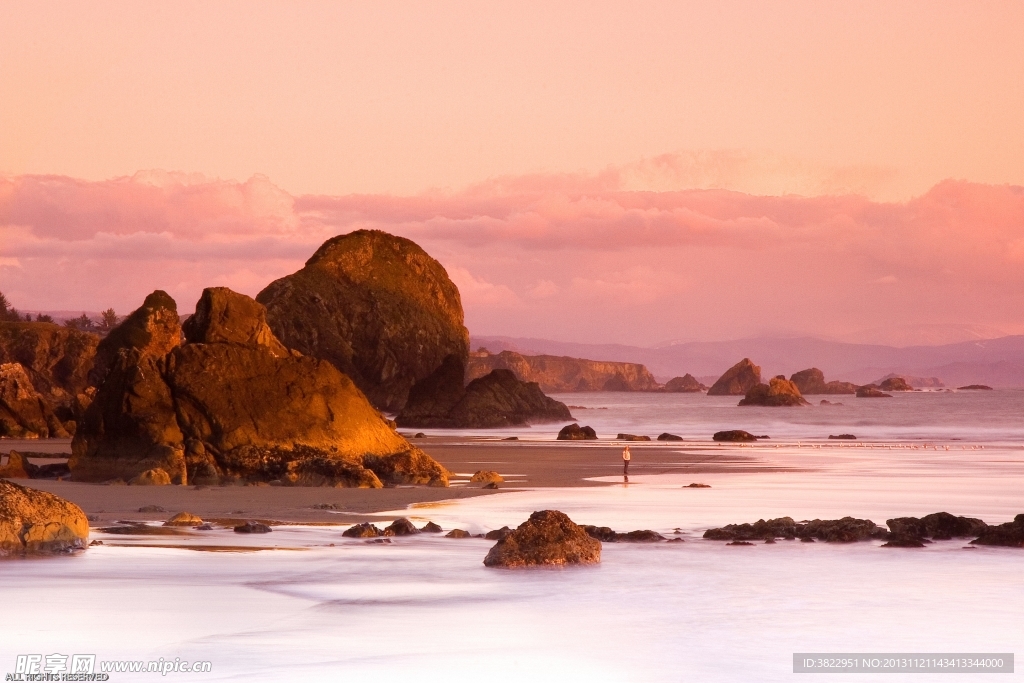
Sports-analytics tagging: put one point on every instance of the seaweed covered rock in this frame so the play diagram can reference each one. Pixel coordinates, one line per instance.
(574, 432)
(36, 522)
(812, 381)
(497, 399)
(548, 537)
(233, 404)
(684, 385)
(377, 307)
(778, 392)
(737, 380)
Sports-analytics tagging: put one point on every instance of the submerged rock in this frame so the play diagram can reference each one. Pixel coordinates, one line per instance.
(574, 432)
(843, 437)
(431, 528)
(374, 305)
(36, 522)
(458, 533)
(606, 535)
(975, 387)
(497, 534)
(737, 380)
(778, 392)
(548, 537)
(734, 435)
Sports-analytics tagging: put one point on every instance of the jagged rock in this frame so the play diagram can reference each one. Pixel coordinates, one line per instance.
(184, 519)
(845, 437)
(562, 373)
(606, 535)
(871, 392)
(939, 526)
(17, 467)
(58, 361)
(252, 528)
(1010, 534)
(401, 527)
(364, 530)
(737, 380)
(24, 412)
(975, 387)
(669, 437)
(34, 521)
(632, 437)
(486, 477)
(812, 381)
(431, 528)
(240, 408)
(845, 530)
(376, 306)
(548, 537)
(684, 385)
(733, 435)
(574, 432)
(153, 329)
(778, 392)
(895, 384)
(458, 533)
(494, 400)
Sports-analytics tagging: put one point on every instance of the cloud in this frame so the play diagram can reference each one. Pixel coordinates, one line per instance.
(546, 255)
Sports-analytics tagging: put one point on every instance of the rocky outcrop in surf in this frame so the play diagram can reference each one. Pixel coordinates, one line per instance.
(574, 432)
(37, 522)
(375, 306)
(233, 403)
(737, 380)
(812, 381)
(778, 392)
(845, 530)
(548, 537)
(686, 384)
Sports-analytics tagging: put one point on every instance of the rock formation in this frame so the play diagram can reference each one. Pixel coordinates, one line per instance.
(632, 437)
(845, 530)
(1010, 534)
(374, 305)
(548, 537)
(497, 399)
(564, 374)
(665, 436)
(937, 526)
(778, 392)
(233, 403)
(606, 535)
(24, 412)
(574, 432)
(871, 392)
(895, 384)
(685, 384)
(733, 435)
(38, 522)
(737, 380)
(975, 387)
(812, 381)
(486, 477)
(153, 329)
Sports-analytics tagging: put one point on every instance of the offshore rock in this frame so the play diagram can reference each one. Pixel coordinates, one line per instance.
(778, 392)
(812, 381)
(895, 384)
(669, 437)
(574, 432)
(737, 380)
(563, 373)
(685, 384)
(36, 522)
(606, 535)
(845, 530)
(377, 307)
(364, 530)
(871, 392)
(632, 437)
(1010, 534)
(548, 537)
(497, 399)
(938, 526)
(734, 435)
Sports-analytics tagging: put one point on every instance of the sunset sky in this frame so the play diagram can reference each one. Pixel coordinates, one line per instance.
(614, 172)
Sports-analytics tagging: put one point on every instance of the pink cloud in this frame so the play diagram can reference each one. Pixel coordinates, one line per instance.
(564, 256)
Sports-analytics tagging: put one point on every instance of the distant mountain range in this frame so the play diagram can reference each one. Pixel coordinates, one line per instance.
(995, 362)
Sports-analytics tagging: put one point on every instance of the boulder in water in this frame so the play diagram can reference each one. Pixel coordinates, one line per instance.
(1010, 534)
(684, 385)
(812, 381)
(733, 435)
(871, 392)
(737, 380)
(778, 392)
(669, 437)
(574, 432)
(548, 537)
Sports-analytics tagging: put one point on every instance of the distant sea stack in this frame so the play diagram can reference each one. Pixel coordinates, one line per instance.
(377, 307)
(561, 374)
(684, 385)
(779, 392)
(812, 381)
(737, 380)
(231, 402)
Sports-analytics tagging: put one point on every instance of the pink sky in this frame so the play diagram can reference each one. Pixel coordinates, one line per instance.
(591, 171)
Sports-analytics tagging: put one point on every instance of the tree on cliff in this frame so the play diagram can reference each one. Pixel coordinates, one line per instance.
(108, 320)
(82, 323)
(7, 312)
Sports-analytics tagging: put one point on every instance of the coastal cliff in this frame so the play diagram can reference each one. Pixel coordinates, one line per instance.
(562, 374)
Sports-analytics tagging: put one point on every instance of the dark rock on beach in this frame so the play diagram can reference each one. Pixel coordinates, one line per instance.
(497, 534)
(938, 526)
(36, 522)
(431, 528)
(844, 437)
(697, 486)
(632, 437)
(975, 387)
(548, 537)
(364, 530)
(458, 533)
(486, 477)
(401, 527)
(669, 437)
(1010, 534)
(574, 432)
(778, 392)
(252, 528)
(737, 380)
(845, 530)
(375, 306)
(606, 535)
(733, 435)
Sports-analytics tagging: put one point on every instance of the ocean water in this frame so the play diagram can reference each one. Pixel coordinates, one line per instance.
(303, 603)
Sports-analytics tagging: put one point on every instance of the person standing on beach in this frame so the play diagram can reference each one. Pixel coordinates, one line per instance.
(625, 461)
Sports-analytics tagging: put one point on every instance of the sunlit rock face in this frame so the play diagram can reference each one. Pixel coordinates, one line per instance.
(376, 306)
(232, 402)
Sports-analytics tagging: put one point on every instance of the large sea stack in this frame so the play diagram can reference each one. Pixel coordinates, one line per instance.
(377, 307)
(233, 403)
(812, 381)
(778, 392)
(737, 380)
